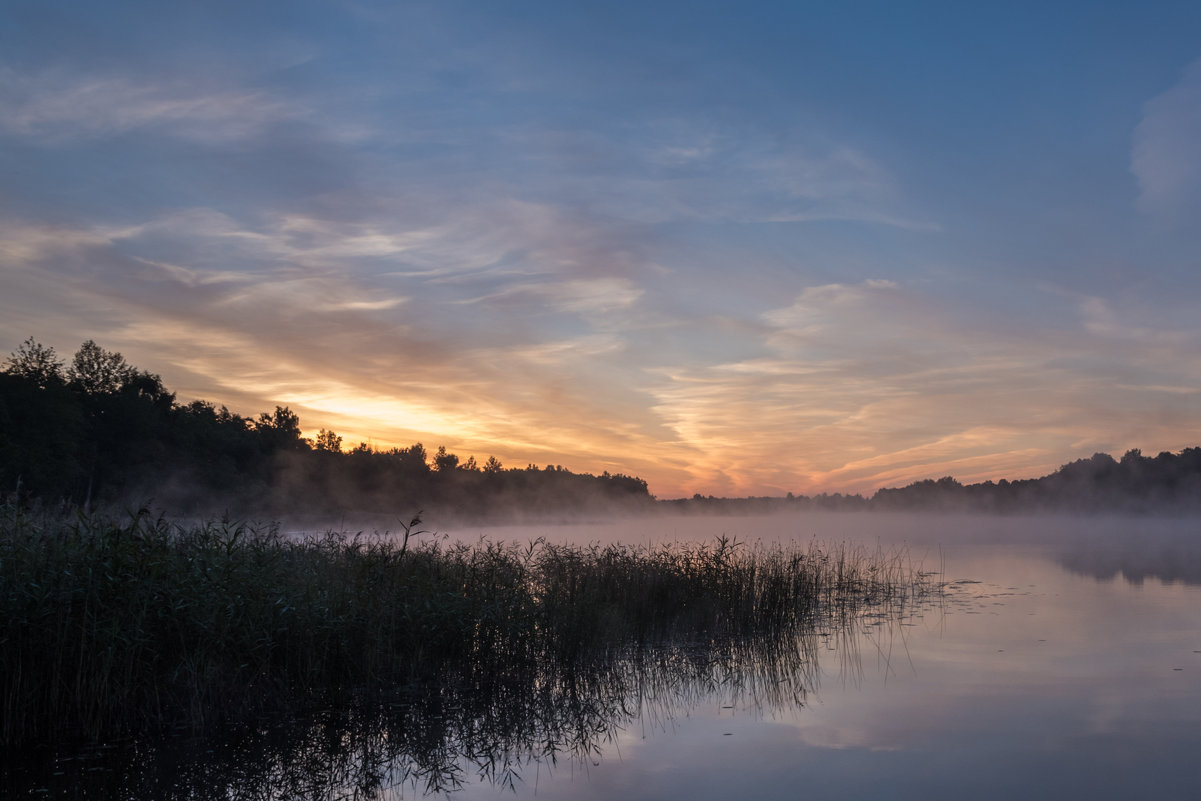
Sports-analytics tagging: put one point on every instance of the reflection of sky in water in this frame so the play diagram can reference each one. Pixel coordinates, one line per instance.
(1044, 679)
(1064, 661)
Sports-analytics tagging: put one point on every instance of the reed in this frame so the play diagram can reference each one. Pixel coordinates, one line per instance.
(110, 626)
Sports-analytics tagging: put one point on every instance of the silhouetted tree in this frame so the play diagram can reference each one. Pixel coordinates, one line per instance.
(328, 441)
(445, 462)
(280, 430)
(96, 371)
(413, 459)
(35, 363)
(149, 387)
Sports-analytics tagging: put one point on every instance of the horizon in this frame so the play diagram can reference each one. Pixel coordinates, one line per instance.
(35, 354)
(736, 251)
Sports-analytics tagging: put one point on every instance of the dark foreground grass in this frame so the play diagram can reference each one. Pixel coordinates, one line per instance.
(111, 627)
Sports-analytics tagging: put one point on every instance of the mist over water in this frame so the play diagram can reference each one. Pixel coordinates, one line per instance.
(1126, 541)
(1061, 659)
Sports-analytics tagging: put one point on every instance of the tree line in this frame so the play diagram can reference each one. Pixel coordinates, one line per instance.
(98, 432)
(1168, 483)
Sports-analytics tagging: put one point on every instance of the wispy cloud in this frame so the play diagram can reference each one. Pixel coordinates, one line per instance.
(585, 297)
(1166, 158)
(64, 106)
(23, 244)
(701, 254)
(692, 170)
(843, 386)
(314, 319)
(1099, 318)
(872, 383)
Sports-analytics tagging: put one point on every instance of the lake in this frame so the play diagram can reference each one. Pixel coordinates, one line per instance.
(1061, 659)
(1072, 668)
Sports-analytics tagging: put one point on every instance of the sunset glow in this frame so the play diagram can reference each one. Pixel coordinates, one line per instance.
(744, 249)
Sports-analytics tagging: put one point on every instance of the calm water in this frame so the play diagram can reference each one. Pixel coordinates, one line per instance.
(1071, 668)
(1063, 661)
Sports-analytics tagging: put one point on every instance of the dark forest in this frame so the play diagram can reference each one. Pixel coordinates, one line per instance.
(98, 433)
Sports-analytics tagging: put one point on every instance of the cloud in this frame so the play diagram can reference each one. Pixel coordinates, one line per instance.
(1099, 318)
(315, 317)
(330, 240)
(194, 278)
(59, 106)
(585, 297)
(24, 244)
(671, 170)
(568, 350)
(817, 308)
(870, 384)
(1166, 158)
(523, 331)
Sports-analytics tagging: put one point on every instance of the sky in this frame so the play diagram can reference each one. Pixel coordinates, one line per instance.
(734, 248)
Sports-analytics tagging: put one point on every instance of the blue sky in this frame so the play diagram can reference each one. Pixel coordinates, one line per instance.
(730, 247)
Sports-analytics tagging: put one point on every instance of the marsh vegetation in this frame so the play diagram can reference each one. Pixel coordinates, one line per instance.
(113, 626)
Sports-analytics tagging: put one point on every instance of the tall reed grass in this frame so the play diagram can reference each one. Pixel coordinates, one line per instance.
(110, 626)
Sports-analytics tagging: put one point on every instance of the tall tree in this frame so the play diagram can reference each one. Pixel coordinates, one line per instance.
(445, 462)
(96, 371)
(36, 363)
(280, 429)
(328, 441)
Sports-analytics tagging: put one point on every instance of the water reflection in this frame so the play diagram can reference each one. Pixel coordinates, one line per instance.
(470, 729)
(1035, 675)
(1137, 555)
